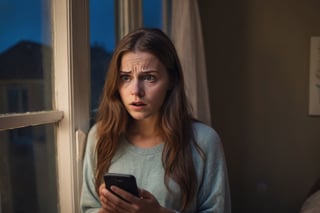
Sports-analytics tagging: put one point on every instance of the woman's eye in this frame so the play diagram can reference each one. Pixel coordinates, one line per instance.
(149, 78)
(124, 77)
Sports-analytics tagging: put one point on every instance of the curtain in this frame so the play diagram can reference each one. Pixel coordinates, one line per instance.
(186, 34)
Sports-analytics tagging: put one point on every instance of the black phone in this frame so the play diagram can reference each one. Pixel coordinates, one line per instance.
(126, 182)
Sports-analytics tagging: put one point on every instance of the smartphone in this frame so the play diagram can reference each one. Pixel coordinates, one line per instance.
(126, 182)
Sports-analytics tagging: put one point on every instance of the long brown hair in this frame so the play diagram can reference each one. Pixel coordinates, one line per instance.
(175, 123)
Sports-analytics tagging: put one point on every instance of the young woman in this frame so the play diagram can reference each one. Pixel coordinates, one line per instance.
(145, 128)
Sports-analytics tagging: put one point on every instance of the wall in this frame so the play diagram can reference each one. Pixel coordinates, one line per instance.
(258, 74)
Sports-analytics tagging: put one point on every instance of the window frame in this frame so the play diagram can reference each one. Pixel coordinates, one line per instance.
(72, 86)
(18, 120)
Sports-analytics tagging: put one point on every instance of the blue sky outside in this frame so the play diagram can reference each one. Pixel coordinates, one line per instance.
(30, 20)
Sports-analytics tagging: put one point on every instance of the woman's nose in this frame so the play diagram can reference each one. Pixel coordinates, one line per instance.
(137, 88)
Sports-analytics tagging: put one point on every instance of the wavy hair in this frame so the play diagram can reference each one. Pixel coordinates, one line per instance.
(176, 114)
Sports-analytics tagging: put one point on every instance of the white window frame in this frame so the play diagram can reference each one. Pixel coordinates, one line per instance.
(72, 86)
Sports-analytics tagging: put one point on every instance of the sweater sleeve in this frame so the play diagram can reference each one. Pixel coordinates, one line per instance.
(89, 201)
(213, 195)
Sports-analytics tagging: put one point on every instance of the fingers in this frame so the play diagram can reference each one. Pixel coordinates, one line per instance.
(101, 188)
(102, 197)
(128, 197)
(145, 194)
(112, 203)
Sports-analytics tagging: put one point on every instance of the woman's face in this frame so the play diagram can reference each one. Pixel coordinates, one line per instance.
(143, 84)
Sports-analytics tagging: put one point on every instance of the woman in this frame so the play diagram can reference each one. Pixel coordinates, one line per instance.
(145, 128)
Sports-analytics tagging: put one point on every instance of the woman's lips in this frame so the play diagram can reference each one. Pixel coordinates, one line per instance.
(137, 105)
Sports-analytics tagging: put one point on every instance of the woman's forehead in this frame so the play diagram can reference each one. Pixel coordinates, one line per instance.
(141, 60)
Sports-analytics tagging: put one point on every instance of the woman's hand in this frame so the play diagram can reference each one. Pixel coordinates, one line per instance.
(145, 203)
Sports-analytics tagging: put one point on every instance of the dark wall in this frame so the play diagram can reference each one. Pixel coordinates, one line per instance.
(258, 69)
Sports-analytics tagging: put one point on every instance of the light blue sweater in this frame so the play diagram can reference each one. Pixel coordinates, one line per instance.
(146, 166)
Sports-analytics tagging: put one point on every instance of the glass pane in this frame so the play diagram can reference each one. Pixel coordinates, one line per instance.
(28, 170)
(102, 39)
(152, 13)
(25, 56)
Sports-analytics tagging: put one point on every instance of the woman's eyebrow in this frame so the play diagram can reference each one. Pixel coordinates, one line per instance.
(125, 71)
(150, 70)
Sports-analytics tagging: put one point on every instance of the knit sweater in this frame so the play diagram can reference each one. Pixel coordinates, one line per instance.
(146, 165)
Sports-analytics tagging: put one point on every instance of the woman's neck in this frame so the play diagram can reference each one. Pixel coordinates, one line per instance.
(144, 134)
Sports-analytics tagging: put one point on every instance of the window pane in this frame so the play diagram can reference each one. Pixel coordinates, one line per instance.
(25, 56)
(102, 39)
(27, 158)
(152, 13)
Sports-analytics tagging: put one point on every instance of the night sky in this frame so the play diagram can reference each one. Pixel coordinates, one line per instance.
(30, 20)
(23, 20)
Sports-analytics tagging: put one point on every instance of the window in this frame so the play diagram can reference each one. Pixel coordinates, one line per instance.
(152, 13)
(27, 155)
(45, 96)
(102, 44)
